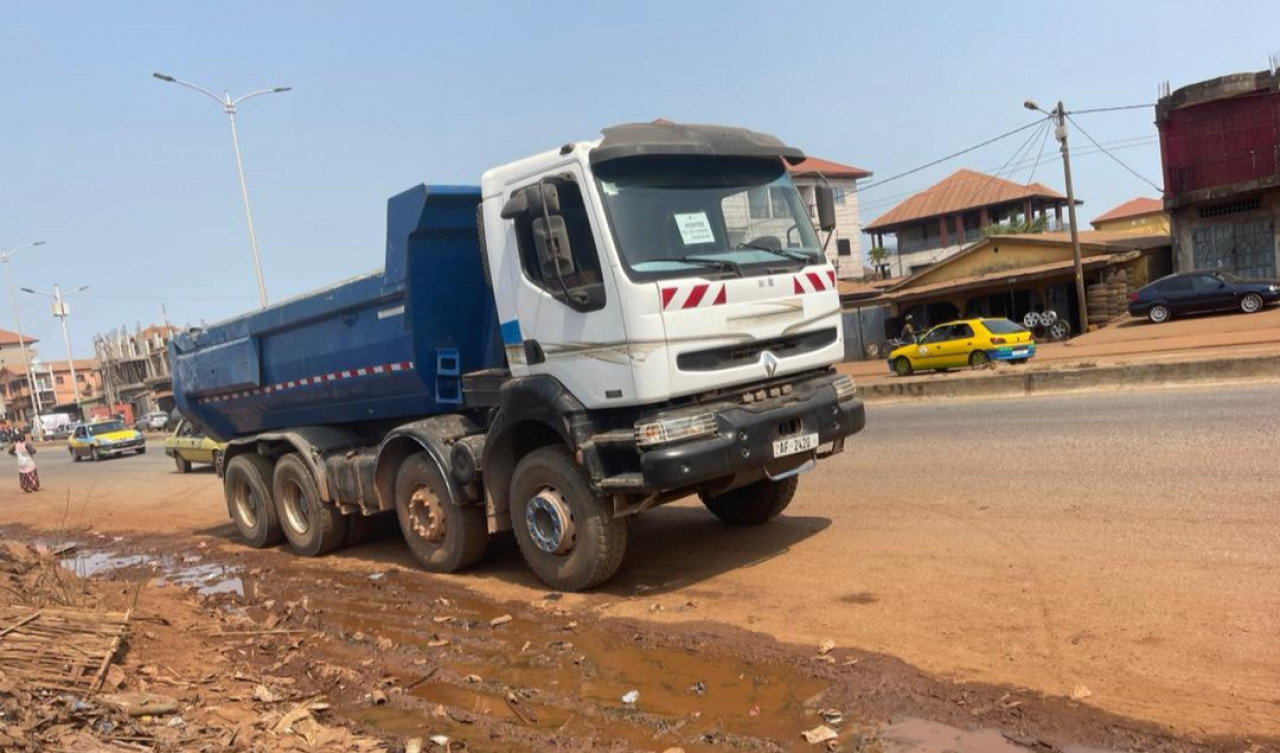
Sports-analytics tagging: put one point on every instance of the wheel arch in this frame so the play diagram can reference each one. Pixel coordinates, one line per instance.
(435, 436)
(309, 442)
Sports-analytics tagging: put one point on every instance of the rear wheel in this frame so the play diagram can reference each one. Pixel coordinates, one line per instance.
(312, 526)
(443, 537)
(978, 359)
(1158, 314)
(183, 465)
(902, 366)
(247, 487)
(1251, 303)
(753, 504)
(567, 533)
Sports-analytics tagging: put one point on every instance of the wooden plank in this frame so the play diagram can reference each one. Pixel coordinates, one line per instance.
(20, 623)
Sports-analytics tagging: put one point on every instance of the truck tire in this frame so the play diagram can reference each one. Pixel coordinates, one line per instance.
(752, 504)
(312, 526)
(247, 487)
(184, 465)
(567, 533)
(443, 537)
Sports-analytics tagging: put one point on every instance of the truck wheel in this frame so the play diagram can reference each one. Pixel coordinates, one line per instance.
(184, 465)
(247, 487)
(443, 537)
(312, 526)
(567, 533)
(752, 504)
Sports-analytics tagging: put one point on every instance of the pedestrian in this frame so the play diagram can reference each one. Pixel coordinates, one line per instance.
(24, 451)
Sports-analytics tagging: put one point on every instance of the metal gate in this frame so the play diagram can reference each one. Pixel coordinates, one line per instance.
(1245, 248)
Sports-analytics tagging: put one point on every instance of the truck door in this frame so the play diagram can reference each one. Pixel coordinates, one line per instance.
(568, 320)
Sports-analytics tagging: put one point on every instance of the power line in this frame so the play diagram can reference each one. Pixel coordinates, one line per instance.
(1118, 161)
(1110, 109)
(952, 156)
(1039, 154)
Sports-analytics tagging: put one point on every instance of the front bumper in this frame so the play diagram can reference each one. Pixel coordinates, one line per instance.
(119, 448)
(746, 433)
(1012, 352)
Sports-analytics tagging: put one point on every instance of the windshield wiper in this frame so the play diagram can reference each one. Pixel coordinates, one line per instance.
(797, 255)
(725, 264)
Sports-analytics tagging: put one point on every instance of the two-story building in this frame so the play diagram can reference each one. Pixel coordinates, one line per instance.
(1220, 145)
(940, 221)
(845, 249)
(56, 389)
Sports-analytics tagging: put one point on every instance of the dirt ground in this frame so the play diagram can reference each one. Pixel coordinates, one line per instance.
(1141, 570)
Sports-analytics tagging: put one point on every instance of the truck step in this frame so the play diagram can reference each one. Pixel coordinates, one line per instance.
(623, 482)
(615, 436)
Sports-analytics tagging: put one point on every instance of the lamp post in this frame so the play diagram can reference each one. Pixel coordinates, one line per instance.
(1059, 116)
(229, 107)
(62, 311)
(36, 427)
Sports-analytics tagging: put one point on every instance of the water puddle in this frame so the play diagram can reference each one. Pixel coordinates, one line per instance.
(206, 578)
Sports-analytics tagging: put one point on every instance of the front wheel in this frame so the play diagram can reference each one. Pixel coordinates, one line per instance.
(142, 450)
(902, 366)
(94, 455)
(443, 537)
(75, 456)
(1251, 303)
(978, 359)
(183, 465)
(1158, 314)
(312, 526)
(567, 533)
(752, 504)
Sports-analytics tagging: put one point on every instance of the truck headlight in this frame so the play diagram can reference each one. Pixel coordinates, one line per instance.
(845, 388)
(666, 430)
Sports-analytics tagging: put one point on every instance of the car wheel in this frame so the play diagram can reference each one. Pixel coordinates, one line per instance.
(1158, 314)
(978, 359)
(94, 454)
(75, 456)
(184, 465)
(902, 366)
(1251, 303)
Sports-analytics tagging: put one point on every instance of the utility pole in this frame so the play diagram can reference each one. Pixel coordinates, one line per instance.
(62, 311)
(37, 428)
(1059, 116)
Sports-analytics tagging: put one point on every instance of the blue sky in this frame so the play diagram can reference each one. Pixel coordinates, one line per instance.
(131, 181)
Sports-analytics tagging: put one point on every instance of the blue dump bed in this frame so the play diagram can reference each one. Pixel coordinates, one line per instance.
(389, 345)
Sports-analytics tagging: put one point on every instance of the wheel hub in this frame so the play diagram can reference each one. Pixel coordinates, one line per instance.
(550, 523)
(244, 506)
(427, 515)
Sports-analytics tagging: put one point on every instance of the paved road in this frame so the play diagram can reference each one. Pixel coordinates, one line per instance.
(1125, 542)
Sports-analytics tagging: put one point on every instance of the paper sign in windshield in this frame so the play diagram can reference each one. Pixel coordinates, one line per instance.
(695, 228)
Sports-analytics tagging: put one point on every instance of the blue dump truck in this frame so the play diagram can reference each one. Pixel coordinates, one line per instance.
(593, 332)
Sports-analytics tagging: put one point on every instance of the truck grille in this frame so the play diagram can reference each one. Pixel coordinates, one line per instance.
(730, 356)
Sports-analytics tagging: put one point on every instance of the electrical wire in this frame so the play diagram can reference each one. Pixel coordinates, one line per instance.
(1039, 154)
(951, 156)
(1118, 161)
(1110, 109)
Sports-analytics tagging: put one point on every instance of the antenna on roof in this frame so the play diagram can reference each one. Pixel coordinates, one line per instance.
(1273, 62)
(1164, 89)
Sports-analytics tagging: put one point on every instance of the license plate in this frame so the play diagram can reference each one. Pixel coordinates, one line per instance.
(1020, 352)
(792, 445)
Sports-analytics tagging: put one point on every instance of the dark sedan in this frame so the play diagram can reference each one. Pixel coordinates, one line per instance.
(1195, 292)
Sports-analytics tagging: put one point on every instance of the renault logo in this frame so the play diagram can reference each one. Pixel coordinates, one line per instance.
(770, 363)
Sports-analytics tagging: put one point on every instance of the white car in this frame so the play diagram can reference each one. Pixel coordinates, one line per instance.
(156, 420)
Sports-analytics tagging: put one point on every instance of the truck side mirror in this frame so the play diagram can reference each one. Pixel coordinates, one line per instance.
(555, 257)
(826, 201)
(531, 200)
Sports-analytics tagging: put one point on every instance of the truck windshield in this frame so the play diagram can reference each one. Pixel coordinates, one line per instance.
(682, 216)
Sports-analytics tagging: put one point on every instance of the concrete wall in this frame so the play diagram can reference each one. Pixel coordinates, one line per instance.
(1186, 220)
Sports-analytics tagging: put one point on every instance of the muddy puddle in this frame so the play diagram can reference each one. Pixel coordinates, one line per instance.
(191, 571)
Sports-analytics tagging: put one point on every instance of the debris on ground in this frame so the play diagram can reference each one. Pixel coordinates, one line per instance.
(820, 734)
(498, 621)
(631, 696)
(825, 647)
(1080, 692)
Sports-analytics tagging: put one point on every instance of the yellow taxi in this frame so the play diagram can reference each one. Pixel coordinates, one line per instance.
(102, 439)
(969, 342)
(189, 445)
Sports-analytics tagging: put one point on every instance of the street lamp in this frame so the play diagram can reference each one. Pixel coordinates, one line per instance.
(36, 426)
(62, 311)
(1059, 115)
(229, 107)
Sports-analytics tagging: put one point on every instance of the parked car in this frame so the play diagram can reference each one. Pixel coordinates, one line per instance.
(189, 445)
(1202, 291)
(971, 342)
(103, 439)
(65, 430)
(156, 420)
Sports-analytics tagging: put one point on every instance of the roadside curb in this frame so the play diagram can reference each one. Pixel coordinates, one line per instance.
(1080, 378)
